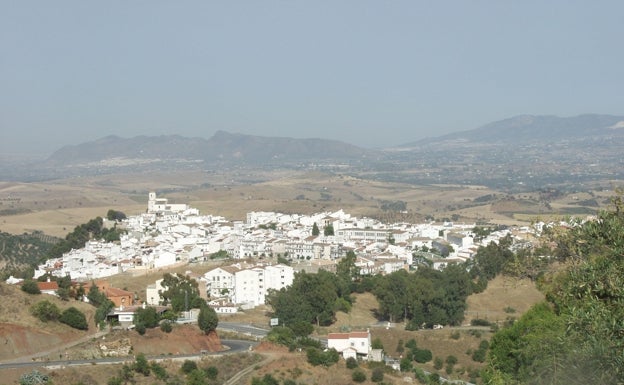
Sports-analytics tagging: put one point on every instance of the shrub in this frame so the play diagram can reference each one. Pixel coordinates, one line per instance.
(377, 375)
(45, 311)
(309, 342)
(141, 365)
(438, 363)
(34, 378)
(166, 327)
(148, 317)
(434, 378)
(318, 357)
(480, 322)
(74, 318)
(63, 293)
(455, 335)
(207, 319)
(281, 335)
(212, 372)
(420, 375)
(352, 363)
(406, 364)
(159, 371)
(302, 328)
(140, 328)
(188, 366)
(29, 286)
(114, 381)
(358, 376)
(479, 355)
(422, 355)
(266, 380)
(451, 360)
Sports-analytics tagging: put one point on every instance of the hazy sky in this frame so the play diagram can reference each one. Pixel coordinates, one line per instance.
(372, 73)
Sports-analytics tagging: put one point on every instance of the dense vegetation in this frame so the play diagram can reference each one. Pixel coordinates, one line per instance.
(22, 252)
(207, 319)
(182, 292)
(576, 336)
(74, 318)
(47, 311)
(94, 229)
(423, 298)
(315, 298)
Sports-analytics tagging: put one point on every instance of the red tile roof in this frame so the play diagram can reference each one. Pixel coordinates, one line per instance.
(47, 285)
(345, 336)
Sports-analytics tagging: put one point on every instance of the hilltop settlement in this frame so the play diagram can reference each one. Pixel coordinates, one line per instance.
(169, 235)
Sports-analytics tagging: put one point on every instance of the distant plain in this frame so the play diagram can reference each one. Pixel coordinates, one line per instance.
(57, 206)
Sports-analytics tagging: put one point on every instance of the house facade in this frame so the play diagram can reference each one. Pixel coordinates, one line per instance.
(353, 344)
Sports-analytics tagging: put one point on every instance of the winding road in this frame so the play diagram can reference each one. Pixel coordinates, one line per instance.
(234, 346)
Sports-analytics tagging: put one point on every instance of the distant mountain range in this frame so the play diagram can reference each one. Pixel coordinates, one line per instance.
(527, 129)
(221, 147)
(226, 147)
(521, 152)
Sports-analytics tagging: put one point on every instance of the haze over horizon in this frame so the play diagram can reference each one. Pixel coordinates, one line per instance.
(368, 73)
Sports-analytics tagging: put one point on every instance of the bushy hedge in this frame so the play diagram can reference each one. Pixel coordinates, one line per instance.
(45, 311)
(318, 357)
(74, 318)
(29, 286)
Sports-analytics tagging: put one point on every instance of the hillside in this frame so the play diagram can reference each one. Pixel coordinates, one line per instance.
(535, 129)
(221, 148)
(25, 335)
(20, 251)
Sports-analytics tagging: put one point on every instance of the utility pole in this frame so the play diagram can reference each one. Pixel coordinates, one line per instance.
(186, 303)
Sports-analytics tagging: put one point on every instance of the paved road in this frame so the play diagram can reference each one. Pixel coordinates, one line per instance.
(234, 346)
(246, 329)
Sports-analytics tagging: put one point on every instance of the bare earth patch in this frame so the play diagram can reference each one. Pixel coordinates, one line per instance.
(503, 293)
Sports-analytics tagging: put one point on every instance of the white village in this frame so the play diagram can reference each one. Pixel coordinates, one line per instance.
(169, 235)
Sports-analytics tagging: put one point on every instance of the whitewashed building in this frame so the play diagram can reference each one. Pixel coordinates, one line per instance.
(350, 344)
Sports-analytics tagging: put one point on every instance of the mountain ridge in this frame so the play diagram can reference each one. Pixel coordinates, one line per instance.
(531, 128)
(222, 146)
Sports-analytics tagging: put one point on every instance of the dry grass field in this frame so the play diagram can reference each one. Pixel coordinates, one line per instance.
(23, 334)
(503, 293)
(56, 207)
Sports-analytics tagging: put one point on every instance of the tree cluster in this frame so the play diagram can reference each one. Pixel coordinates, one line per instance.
(74, 318)
(311, 299)
(114, 215)
(576, 335)
(47, 311)
(101, 302)
(425, 297)
(94, 229)
(19, 254)
(182, 292)
(318, 357)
